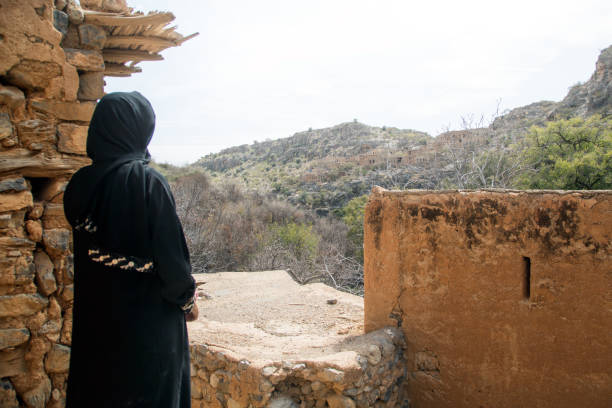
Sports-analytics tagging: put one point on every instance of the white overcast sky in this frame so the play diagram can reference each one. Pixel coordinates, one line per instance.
(269, 68)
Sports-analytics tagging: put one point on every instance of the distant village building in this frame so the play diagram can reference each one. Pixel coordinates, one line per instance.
(461, 138)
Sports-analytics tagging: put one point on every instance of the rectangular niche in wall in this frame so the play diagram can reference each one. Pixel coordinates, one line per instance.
(526, 278)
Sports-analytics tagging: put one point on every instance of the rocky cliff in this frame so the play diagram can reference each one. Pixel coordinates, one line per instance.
(589, 98)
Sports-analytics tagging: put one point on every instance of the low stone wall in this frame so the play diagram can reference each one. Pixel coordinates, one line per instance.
(263, 340)
(503, 296)
(373, 378)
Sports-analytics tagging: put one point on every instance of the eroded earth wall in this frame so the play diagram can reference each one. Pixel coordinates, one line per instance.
(504, 298)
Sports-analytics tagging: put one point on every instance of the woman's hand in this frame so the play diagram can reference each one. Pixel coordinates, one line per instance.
(193, 315)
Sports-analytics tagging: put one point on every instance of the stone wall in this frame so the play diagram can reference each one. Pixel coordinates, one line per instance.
(263, 340)
(503, 296)
(51, 74)
(370, 378)
(47, 96)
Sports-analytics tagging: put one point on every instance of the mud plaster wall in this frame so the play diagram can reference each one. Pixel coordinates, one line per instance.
(504, 297)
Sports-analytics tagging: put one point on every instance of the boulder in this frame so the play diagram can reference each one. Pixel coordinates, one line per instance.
(60, 21)
(21, 305)
(85, 60)
(44, 273)
(69, 268)
(72, 138)
(6, 127)
(57, 242)
(33, 75)
(38, 396)
(12, 362)
(13, 337)
(37, 211)
(51, 330)
(71, 40)
(15, 201)
(8, 396)
(11, 96)
(91, 86)
(34, 229)
(15, 185)
(70, 82)
(58, 359)
(75, 13)
(36, 133)
(68, 293)
(5, 220)
(282, 401)
(91, 37)
(340, 401)
(65, 110)
(54, 217)
(66, 333)
(28, 36)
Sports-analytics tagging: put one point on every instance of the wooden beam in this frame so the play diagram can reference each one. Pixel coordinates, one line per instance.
(120, 70)
(117, 41)
(189, 37)
(115, 20)
(119, 56)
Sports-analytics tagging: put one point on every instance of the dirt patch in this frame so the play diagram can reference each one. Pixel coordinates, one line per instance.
(267, 316)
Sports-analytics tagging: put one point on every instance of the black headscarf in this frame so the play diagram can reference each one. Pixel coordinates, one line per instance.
(119, 132)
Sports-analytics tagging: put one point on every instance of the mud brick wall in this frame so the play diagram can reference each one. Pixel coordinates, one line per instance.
(50, 76)
(503, 296)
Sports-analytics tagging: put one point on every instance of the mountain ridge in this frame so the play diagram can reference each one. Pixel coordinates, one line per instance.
(331, 165)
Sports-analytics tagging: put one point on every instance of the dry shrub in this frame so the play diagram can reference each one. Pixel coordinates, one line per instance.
(229, 229)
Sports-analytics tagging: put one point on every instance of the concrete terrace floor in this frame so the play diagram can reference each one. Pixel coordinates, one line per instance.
(267, 316)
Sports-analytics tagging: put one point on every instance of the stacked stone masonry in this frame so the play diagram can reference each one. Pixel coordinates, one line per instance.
(53, 60)
(372, 378)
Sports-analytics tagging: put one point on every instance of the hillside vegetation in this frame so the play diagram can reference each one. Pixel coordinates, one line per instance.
(297, 203)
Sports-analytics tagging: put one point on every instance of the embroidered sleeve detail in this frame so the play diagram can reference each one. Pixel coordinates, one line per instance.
(187, 307)
(86, 225)
(124, 262)
(109, 258)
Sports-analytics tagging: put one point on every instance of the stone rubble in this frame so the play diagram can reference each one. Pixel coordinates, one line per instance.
(375, 378)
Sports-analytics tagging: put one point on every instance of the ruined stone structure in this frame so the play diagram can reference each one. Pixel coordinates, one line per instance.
(53, 59)
(265, 341)
(503, 296)
(463, 138)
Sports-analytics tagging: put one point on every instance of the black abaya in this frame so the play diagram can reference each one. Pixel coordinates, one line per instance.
(133, 280)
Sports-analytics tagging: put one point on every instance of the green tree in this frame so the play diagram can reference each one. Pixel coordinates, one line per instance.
(570, 154)
(352, 215)
(300, 239)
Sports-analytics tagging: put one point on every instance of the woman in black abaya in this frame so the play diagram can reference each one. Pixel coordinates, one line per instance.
(133, 288)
